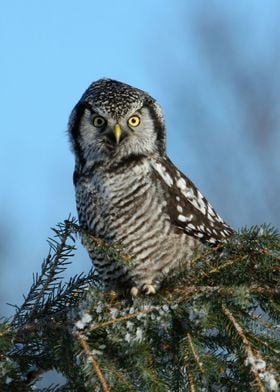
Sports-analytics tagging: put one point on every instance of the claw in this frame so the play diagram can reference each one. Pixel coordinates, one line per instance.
(134, 292)
(148, 289)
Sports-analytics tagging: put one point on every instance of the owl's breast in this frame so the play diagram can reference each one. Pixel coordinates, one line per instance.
(118, 206)
(129, 208)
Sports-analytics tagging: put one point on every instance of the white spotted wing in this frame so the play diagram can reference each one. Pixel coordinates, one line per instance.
(187, 207)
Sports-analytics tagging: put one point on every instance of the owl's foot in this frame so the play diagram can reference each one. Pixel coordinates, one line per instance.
(146, 289)
(134, 291)
(111, 296)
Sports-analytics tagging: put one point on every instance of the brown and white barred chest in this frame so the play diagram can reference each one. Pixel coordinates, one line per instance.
(127, 206)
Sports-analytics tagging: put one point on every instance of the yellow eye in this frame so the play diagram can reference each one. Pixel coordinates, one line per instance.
(134, 121)
(98, 121)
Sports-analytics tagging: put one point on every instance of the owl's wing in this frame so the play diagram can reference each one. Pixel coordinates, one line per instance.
(187, 207)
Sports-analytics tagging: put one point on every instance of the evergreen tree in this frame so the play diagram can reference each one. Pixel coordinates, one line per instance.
(215, 327)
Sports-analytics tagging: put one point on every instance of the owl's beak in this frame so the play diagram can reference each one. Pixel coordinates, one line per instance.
(117, 132)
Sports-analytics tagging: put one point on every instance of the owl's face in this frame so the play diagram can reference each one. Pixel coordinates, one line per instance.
(116, 121)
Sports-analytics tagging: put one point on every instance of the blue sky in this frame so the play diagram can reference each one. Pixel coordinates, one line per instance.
(52, 50)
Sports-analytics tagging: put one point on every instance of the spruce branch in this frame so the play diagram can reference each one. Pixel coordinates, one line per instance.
(213, 327)
(191, 380)
(122, 379)
(93, 361)
(194, 353)
(45, 284)
(191, 361)
(253, 357)
(91, 243)
(122, 319)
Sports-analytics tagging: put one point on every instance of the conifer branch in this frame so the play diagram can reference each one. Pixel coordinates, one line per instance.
(188, 351)
(151, 366)
(195, 354)
(190, 377)
(259, 319)
(268, 346)
(182, 293)
(93, 361)
(121, 319)
(191, 380)
(160, 343)
(49, 280)
(225, 264)
(122, 379)
(114, 250)
(250, 355)
(205, 255)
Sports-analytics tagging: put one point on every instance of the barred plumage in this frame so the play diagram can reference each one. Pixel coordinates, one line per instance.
(129, 192)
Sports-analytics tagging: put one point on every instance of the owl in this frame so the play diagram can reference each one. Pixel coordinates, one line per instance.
(128, 191)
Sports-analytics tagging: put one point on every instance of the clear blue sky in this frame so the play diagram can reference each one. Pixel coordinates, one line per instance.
(51, 51)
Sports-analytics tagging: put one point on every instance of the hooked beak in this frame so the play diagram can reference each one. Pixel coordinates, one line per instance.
(117, 133)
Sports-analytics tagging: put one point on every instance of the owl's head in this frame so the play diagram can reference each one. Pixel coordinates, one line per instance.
(116, 121)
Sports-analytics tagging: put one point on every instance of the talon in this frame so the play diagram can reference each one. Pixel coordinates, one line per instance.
(134, 292)
(111, 296)
(148, 289)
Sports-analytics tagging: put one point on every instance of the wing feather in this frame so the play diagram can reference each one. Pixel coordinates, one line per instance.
(187, 208)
